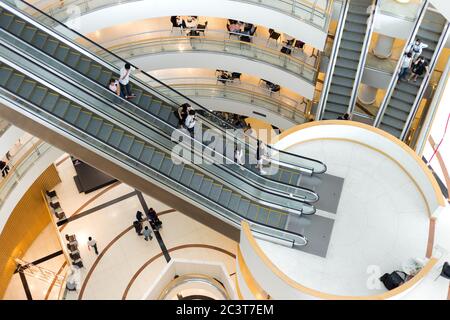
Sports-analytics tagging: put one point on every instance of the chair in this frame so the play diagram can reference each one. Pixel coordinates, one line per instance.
(202, 27)
(253, 30)
(299, 45)
(236, 75)
(273, 35)
(52, 195)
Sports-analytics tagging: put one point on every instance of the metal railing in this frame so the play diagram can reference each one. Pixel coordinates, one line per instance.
(195, 279)
(141, 47)
(314, 12)
(237, 90)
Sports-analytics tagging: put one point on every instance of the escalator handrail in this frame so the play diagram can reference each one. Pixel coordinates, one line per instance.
(394, 79)
(291, 165)
(143, 136)
(266, 188)
(19, 102)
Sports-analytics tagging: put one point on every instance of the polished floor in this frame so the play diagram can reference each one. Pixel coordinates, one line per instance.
(381, 222)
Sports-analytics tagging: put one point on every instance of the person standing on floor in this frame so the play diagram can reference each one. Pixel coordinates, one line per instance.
(138, 227)
(124, 81)
(92, 244)
(147, 234)
(154, 218)
(140, 216)
(406, 64)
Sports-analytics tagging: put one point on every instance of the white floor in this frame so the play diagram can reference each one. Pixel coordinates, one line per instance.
(130, 252)
(381, 222)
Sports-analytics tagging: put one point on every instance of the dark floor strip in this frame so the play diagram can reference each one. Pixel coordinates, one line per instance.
(41, 260)
(23, 278)
(157, 234)
(97, 208)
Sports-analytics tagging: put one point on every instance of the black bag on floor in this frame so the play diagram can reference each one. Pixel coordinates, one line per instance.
(394, 279)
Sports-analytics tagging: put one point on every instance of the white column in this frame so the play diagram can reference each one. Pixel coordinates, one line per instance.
(383, 47)
(367, 94)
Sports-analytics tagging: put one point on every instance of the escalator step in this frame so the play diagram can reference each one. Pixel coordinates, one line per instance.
(177, 171)
(94, 71)
(263, 214)
(126, 143)
(105, 132)
(15, 82)
(84, 65)
(224, 197)
(73, 58)
(116, 137)
(173, 120)
(136, 149)
(5, 73)
(61, 52)
(154, 108)
(39, 40)
(206, 187)
(6, 19)
(61, 107)
(29, 33)
(215, 192)
(145, 100)
(294, 178)
(38, 95)
(72, 114)
(243, 207)
(274, 218)
(285, 176)
(104, 78)
(138, 94)
(166, 166)
(196, 182)
(283, 221)
(157, 160)
(83, 120)
(94, 126)
(50, 101)
(16, 27)
(252, 212)
(147, 154)
(27, 88)
(164, 113)
(186, 176)
(234, 202)
(50, 46)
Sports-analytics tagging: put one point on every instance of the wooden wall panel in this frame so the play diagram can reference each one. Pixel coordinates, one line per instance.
(25, 223)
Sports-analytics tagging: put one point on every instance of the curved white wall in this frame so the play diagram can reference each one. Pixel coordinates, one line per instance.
(376, 140)
(26, 180)
(169, 60)
(249, 12)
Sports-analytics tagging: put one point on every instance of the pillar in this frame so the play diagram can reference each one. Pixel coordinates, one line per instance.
(383, 47)
(367, 94)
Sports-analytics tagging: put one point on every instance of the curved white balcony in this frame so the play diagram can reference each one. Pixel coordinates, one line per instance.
(241, 98)
(216, 51)
(308, 20)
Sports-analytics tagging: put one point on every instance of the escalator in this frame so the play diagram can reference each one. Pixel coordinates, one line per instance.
(287, 176)
(402, 97)
(350, 50)
(68, 103)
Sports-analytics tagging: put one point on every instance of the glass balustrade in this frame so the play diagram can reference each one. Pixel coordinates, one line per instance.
(314, 12)
(24, 159)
